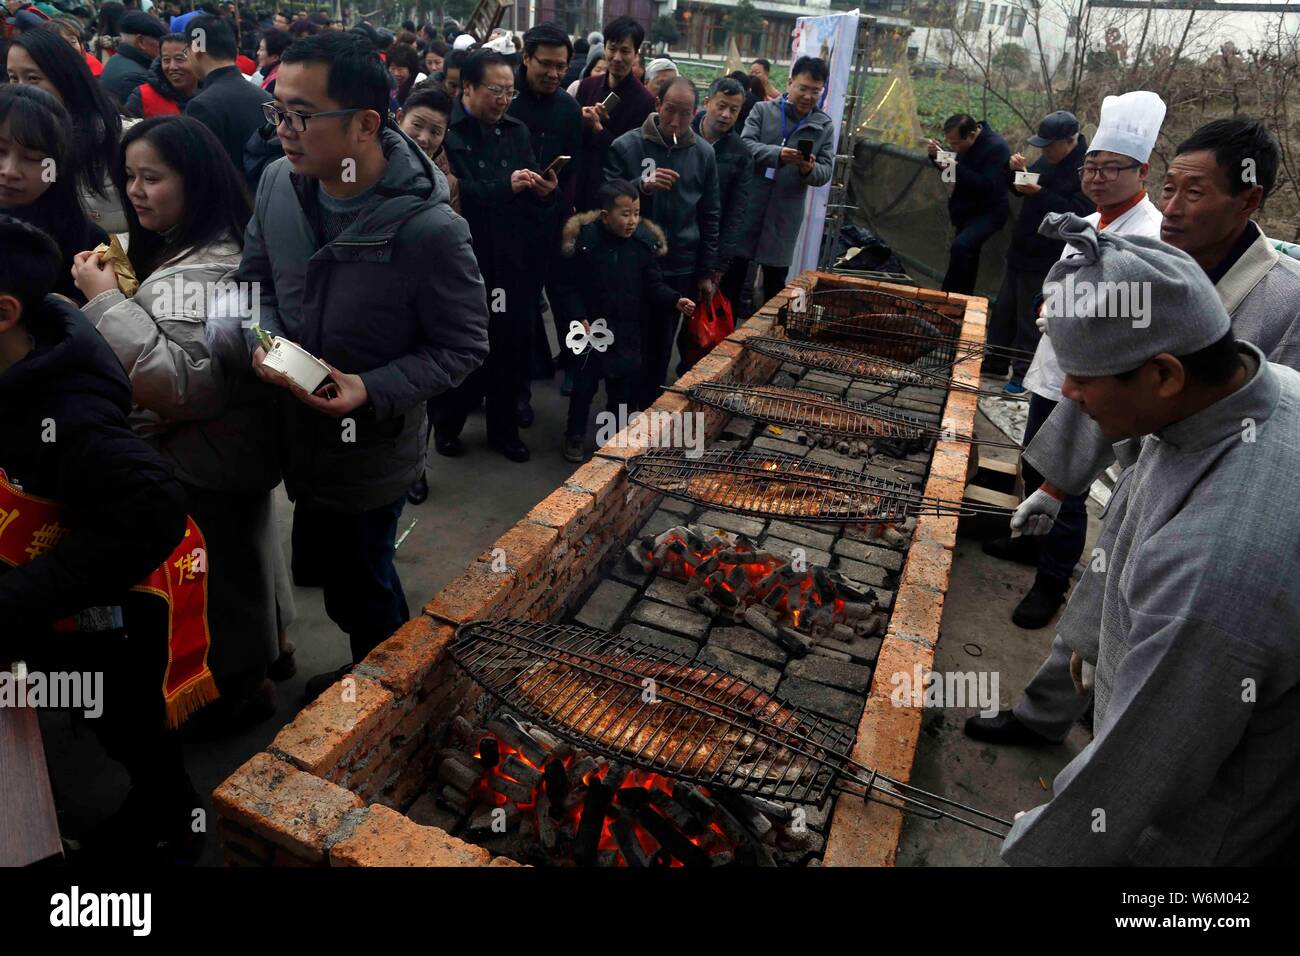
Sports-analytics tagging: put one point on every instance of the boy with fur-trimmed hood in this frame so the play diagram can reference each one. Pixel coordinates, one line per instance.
(609, 273)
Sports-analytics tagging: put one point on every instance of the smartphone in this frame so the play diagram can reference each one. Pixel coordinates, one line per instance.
(805, 148)
(558, 163)
(610, 102)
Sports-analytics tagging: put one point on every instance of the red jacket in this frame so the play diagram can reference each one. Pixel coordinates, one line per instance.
(96, 65)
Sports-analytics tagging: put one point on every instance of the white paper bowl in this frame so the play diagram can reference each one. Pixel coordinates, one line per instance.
(945, 157)
(297, 364)
(1026, 179)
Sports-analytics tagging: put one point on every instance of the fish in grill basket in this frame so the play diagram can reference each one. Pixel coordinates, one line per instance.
(775, 495)
(838, 417)
(860, 366)
(615, 716)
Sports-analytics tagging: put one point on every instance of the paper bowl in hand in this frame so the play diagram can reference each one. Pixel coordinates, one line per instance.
(1026, 179)
(296, 364)
(945, 157)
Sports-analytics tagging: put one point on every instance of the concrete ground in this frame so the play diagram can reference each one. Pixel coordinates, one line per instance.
(977, 635)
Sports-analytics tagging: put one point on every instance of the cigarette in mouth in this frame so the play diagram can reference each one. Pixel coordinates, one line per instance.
(674, 139)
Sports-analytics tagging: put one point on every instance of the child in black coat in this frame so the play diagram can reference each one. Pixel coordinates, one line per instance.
(609, 272)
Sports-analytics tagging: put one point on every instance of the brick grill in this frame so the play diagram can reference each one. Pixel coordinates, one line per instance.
(342, 784)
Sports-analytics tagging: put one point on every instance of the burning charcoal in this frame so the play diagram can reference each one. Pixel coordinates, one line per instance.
(686, 555)
(824, 585)
(575, 798)
(857, 610)
(526, 827)
(704, 604)
(774, 596)
(615, 776)
(557, 782)
(682, 818)
(632, 798)
(760, 622)
(756, 821)
(745, 542)
(722, 858)
(841, 632)
(513, 735)
(461, 729)
(456, 799)
(802, 839)
(801, 437)
(591, 823)
(634, 558)
(515, 792)
(695, 801)
(516, 769)
(482, 821)
(842, 447)
(670, 839)
(633, 852)
(852, 590)
(694, 539)
(459, 775)
(749, 849)
(720, 598)
(546, 834)
(489, 752)
(821, 650)
(777, 811)
(708, 566)
(794, 643)
(580, 769)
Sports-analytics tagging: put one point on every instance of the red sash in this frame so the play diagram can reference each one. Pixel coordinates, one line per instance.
(31, 526)
(153, 103)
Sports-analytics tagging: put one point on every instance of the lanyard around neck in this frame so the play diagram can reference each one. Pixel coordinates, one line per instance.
(799, 122)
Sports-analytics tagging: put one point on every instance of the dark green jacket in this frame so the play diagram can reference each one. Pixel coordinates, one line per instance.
(735, 183)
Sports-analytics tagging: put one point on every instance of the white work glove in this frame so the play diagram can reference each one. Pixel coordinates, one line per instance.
(1041, 322)
(1036, 514)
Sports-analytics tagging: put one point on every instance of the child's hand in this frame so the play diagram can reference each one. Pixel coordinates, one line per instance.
(686, 306)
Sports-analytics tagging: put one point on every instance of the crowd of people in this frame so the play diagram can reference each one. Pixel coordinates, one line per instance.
(182, 191)
(1172, 624)
(302, 178)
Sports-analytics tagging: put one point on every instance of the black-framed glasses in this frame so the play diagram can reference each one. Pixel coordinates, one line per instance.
(1104, 172)
(276, 115)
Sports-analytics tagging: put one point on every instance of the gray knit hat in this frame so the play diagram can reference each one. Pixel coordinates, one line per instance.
(1115, 301)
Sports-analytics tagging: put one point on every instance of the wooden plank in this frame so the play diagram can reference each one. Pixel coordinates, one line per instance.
(29, 828)
(987, 496)
(1001, 467)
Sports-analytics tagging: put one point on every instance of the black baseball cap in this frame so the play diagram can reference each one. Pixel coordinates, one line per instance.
(1055, 126)
(139, 22)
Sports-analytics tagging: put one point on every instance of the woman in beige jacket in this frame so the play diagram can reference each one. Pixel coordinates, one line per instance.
(179, 338)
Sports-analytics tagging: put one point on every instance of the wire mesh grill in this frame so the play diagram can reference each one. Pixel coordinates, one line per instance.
(875, 323)
(814, 411)
(655, 709)
(772, 485)
(818, 412)
(850, 362)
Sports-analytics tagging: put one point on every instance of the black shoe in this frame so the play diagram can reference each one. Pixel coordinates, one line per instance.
(451, 447)
(148, 827)
(418, 493)
(1039, 606)
(573, 450)
(524, 413)
(1004, 729)
(322, 682)
(1021, 550)
(512, 448)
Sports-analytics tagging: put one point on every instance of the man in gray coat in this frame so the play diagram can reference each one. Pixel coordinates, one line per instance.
(1207, 204)
(339, 246)
(1196, 754)
(677, 174)
(791, 141)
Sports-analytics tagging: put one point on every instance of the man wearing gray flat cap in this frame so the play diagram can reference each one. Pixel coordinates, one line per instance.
(1196, 754)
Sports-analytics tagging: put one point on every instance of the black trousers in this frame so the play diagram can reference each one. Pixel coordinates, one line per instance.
(503, 377)
(1058, 550)
(737, 290)
(620, 390)
(772, 277)
(351, 555)
(964, 254)
(1013, 322)
(657, 337)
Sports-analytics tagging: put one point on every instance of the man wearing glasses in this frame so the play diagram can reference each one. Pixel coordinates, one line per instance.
(554, 121)
(357, 257)
(507, 203)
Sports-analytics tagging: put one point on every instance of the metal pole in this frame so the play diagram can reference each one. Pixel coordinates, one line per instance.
(837, 205)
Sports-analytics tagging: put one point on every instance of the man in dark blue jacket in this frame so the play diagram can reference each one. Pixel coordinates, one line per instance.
(1031, 255)
(978, 204)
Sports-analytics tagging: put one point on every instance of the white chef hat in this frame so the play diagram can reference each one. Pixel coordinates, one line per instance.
(1129, 124)
(463, 42)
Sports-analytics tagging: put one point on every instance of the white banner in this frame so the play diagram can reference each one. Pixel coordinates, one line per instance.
(832, 38)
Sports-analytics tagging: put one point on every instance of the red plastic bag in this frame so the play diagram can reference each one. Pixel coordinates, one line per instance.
(711, 323)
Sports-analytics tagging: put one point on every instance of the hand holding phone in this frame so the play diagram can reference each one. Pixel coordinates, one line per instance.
(805, 148)
(558, 163)
(609, 102)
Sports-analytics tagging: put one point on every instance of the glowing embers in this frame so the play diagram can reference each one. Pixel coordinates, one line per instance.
(789, 602)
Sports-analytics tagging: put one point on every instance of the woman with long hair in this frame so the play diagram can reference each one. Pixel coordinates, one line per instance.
(404, 68)
(70, 29)
(42, 58)
(180, 339)
(35, 142)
